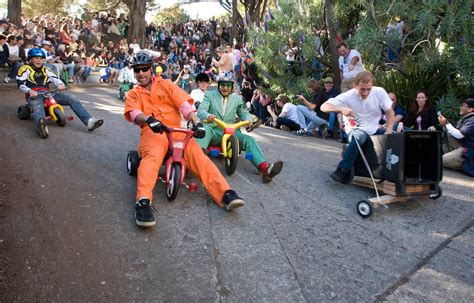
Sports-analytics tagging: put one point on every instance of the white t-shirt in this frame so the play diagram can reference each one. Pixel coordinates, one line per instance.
(197, 95)
(291, 113)
(345, 62)
(135, 47)
(367, 111)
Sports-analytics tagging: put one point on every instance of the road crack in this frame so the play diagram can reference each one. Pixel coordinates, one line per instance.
(406, 278)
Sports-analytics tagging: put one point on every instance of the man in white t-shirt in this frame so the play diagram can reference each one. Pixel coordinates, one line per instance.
(363, 104)
(288, 118)
(350, 64)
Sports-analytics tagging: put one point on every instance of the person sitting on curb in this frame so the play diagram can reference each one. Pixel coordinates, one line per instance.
(288, 118)
(225, 105)
(461, 158)
(308, 119)
(154, 104)
(42, 76)
(328, 91)
(363, 103)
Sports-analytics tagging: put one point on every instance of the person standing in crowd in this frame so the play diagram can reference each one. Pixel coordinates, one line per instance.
(350, 64)
(461, 158)
(224, 63)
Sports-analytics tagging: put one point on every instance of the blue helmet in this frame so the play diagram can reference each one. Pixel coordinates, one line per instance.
(36, 52)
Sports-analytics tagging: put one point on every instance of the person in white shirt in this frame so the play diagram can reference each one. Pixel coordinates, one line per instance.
(135, 46)
(127, 79)
(202, 81)
(363, 105)
(350, 64)
(288, 118)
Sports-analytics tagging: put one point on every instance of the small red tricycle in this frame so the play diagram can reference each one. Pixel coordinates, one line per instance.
(175, 164)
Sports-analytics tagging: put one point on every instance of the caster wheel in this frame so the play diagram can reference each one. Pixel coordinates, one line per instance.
(364, 208)
(437, 194)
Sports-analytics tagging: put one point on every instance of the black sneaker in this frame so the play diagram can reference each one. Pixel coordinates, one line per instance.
(272, 170)
(144, 214)
(232, 200)
(341, 175)
(43, 128)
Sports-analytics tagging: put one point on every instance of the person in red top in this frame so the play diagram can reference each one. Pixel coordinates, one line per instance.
(152, 104)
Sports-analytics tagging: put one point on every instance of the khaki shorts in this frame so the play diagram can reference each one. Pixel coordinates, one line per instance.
(454, 159)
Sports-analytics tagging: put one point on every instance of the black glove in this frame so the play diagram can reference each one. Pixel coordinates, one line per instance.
(155, 125)
(199, 130)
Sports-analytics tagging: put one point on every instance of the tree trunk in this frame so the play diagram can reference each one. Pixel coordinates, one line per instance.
(333, 42)
(136, 20)
(14, 12)
(235, 21)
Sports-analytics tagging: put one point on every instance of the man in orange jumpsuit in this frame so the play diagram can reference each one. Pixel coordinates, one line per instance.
(152, 104)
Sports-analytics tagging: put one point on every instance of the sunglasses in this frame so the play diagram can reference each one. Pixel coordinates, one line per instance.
(226, 85)
(144, 69)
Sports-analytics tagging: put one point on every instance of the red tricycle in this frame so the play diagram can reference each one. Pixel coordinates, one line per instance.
(175, 165)
(52, 109)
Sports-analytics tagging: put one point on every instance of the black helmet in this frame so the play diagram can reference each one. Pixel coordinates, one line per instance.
(141, 58)
(202, 77)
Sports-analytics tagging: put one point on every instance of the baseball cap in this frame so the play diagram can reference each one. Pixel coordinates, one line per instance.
(328, 79)
(469, 102)
(3, 21)
(46, 42)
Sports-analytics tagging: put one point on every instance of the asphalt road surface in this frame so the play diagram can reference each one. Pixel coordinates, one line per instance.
(67, 232)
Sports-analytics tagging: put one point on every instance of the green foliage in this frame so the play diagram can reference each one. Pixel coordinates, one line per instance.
(434, 80)
(32, 8)
(436, 48)
(291, 21)
(448, 105)
(172, 14)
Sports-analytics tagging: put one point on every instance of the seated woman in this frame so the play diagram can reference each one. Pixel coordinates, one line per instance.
(422, 116)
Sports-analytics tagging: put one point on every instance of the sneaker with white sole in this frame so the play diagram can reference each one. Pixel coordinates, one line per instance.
(272, 170)
(144, 213)
(43, 128)
(231, 200)
(300, 132)
(94, 123)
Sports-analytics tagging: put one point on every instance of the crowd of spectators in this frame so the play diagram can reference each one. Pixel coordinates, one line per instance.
(76, 46)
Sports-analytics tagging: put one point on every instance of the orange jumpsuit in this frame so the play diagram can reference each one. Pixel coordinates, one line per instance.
(164, 101)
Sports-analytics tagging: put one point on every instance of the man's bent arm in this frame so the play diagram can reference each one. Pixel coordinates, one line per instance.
(390, 114)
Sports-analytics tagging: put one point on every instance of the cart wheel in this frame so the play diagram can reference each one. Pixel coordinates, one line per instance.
(437, 194)
(172, 188)
(364, 208)
(24, 112)
(232, 155)
(133, 161)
